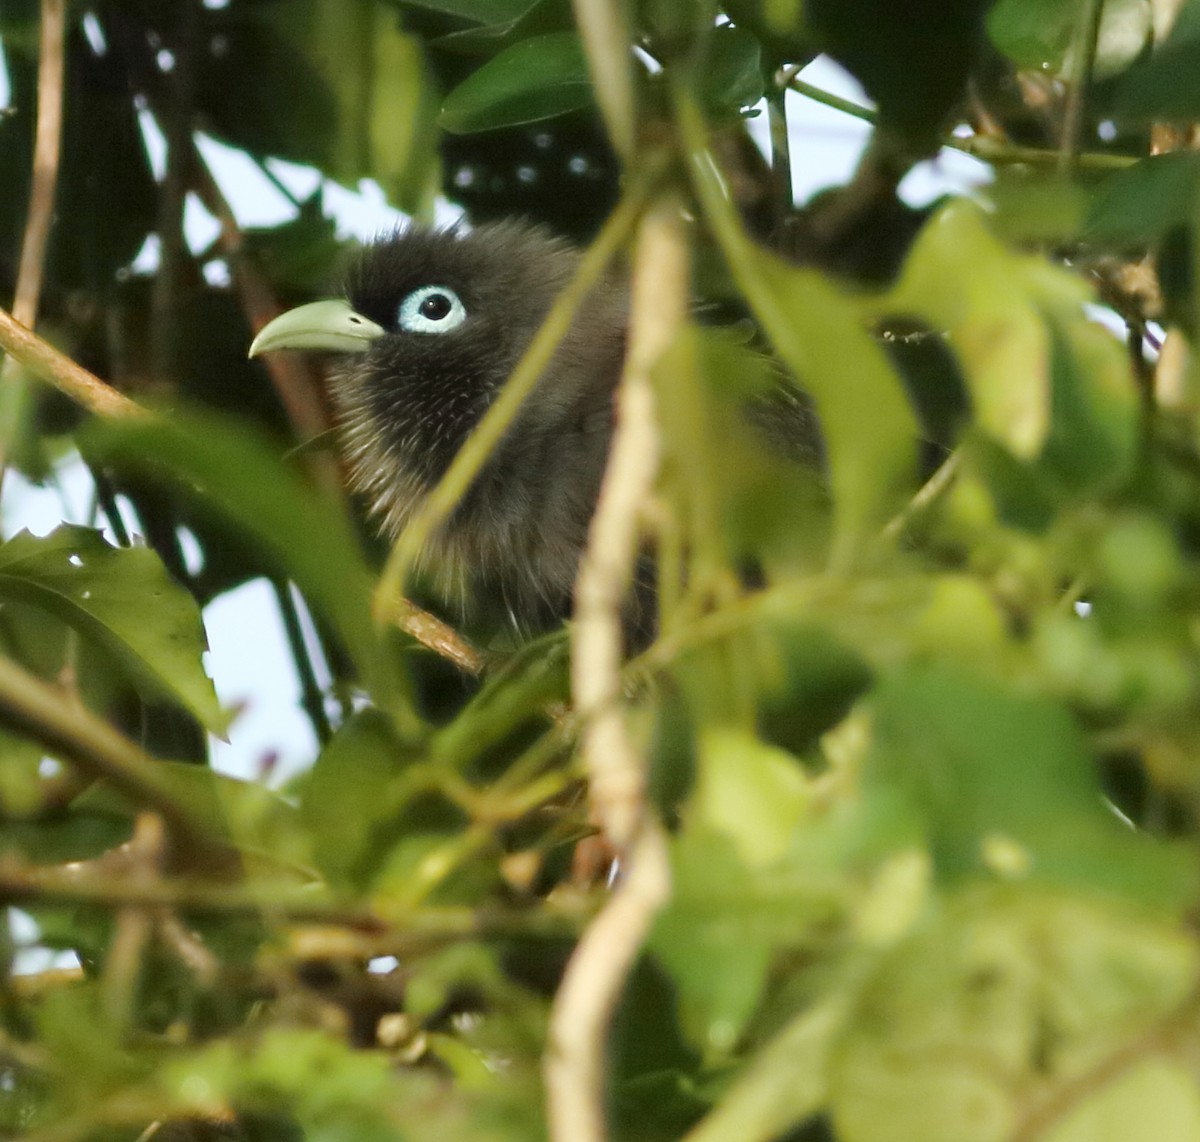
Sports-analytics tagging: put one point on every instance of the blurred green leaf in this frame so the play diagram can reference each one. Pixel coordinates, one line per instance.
(732, 77)
(753, 793)
(260, 823)
(1030, 207)
(867, 423)
(1007, 787)
(478, 11)
(1137, 206)
(959, 278)
(535, 79)
(1161, 86)
(238, 475)
(336, 85)
(123, 599)
(353, 797)
(912, 56)
(715, 938)
(79, 834)
(1038, 33)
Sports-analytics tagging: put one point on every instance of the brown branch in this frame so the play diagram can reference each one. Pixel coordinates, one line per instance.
(69, 730)
(133, 927)
(436, 635)
(1087, 36)
(596, 972)
(659, 305)
(336, 930)
(46, 152)
(72, 380)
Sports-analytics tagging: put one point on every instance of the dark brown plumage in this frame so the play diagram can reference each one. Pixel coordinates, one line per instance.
(407, 405)
(407, 400)
(433, 325)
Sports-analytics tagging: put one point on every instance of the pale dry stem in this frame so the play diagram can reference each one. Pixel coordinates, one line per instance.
(596, 972)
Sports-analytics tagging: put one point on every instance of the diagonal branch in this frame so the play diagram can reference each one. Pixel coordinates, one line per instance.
(72, 380)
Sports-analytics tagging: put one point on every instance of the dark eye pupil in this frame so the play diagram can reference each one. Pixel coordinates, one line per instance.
(435, 307)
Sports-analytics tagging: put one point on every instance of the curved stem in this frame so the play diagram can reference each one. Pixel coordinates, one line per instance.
(616, 769)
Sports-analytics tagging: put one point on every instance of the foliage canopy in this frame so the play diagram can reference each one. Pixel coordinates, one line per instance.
(928, 776)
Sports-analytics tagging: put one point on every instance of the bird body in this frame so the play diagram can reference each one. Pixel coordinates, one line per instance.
(437, 320)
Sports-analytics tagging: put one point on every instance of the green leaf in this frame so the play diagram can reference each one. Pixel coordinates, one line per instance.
(732, 77)
(353, 797)
(1038, 33)
(1007, 787)
(865, 417)
(333, 1092)
(1002, 999)
(1163, 86)
(122, 599)
(754, 793)
(960, 279)
(297, 255)
(1039, 374)
(1137, 206)
(535, 677)
(239, 475)
(535, 79)
(79, 834)
(256, 820)
(336, 85)
(712, 938)
(1157, 1098)
(1094, 426)
(783, 1084)
(487, 12)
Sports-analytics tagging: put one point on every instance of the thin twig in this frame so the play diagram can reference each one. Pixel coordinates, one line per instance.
(312, 698)
(927, 494)
(434, 634)
(991, 150)
(133, 927)
(47, 150)
(596, 973)
(42, 712)
(1086, 38)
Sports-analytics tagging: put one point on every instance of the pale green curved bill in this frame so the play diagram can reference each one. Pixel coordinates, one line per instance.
(320, 325)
